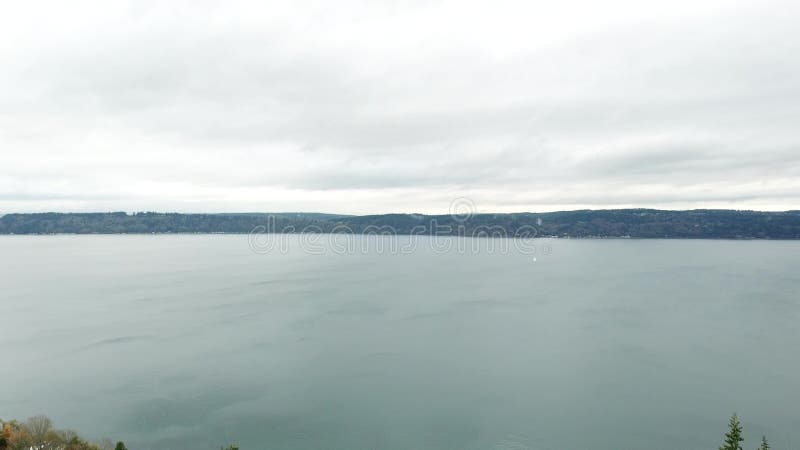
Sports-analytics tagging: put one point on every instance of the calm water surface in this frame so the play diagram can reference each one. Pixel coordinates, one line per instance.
(192, 342)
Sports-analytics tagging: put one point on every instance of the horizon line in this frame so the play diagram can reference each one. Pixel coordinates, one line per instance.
(133, 212)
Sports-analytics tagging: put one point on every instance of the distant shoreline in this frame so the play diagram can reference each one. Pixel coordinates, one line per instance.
(581, 224)
(580, 238)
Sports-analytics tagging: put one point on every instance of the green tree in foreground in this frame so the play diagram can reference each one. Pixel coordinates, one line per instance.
(764, 443)
(733, 438)
(120, 446)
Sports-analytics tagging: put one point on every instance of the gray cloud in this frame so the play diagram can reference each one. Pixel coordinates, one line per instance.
(380, 107)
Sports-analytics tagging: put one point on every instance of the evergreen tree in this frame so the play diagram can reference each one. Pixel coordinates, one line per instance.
(733, 438)
(120, 446)
(764, 443)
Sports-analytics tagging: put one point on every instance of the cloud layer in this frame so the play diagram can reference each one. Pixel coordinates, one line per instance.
(373, 107)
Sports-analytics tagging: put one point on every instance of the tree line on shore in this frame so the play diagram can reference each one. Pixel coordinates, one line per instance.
(633, 223)
(38, 433)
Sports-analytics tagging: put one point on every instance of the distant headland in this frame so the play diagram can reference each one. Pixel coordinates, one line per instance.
(610, 223)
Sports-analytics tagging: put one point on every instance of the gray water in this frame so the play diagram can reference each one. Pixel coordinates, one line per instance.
(192, 342)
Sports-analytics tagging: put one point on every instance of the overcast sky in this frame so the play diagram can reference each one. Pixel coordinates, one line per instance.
(373, 107)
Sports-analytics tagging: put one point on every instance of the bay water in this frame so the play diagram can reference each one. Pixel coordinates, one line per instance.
(198, 341)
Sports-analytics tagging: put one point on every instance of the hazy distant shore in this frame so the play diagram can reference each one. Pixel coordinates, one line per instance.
(601, 224)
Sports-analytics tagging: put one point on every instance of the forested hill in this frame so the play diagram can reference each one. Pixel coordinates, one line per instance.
(634, 223)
